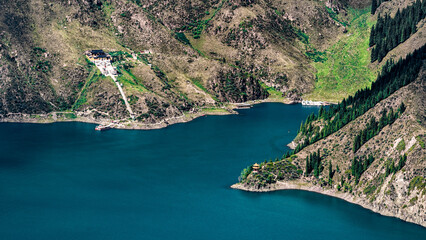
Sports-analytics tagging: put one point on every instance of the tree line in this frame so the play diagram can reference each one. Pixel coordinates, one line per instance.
(389, 32)
(313, 162)
(373, 127)
(360, 165)
(392, 77)
(331, 172)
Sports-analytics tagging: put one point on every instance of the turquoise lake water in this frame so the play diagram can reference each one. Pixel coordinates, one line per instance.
(67, 181)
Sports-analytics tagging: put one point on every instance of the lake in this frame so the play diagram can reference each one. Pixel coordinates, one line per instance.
(67, 181)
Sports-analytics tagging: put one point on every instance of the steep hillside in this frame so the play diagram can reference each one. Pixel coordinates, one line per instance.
(415, 41)
(385, 173)
(347, 67)
(191, 57)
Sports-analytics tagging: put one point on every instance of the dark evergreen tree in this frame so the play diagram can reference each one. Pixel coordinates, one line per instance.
(402, 161)
(390, 165)
(360, 165)
(373, 6)
(372, 37)
(313, 163)
(389, 32)
(307, 168)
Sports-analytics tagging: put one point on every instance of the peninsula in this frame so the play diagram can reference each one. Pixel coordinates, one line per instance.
(369, 149)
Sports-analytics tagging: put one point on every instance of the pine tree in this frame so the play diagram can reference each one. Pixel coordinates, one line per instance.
(301, 129)
(373, 7)
(307, 166)
(401, 107)
(373, 54)
(372, 37)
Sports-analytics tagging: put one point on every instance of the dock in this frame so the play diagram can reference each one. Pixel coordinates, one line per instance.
(243, 105)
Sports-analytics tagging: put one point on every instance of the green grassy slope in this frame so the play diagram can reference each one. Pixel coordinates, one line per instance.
(347, 68)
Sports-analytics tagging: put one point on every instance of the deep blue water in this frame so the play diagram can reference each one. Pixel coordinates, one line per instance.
(66, 181)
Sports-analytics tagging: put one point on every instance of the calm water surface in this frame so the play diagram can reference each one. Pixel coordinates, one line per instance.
(66, 181)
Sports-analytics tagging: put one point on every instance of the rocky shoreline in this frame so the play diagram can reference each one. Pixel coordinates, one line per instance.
(122, 124)
(126, 124)
(305, 186)
(292, 145)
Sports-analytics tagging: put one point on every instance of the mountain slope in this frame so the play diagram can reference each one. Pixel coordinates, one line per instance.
(386, 174)
(191, 56)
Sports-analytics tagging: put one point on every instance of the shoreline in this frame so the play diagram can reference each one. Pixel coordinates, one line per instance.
(133, 125)
(292, 145)
(279, 186)
(128, 125)
(346, 196)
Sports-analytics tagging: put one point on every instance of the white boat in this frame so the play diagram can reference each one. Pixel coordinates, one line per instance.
(102, 127)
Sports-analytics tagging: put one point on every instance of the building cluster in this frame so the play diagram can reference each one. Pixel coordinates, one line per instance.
(313, 103)
(98, 55)
(102, 61)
